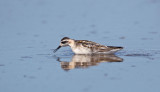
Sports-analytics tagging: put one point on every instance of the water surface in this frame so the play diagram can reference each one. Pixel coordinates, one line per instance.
(31, 29)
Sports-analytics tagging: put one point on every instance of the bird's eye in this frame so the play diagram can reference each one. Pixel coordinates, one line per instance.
(64, 42)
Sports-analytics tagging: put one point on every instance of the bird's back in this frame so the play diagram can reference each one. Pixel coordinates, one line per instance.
(90, 47)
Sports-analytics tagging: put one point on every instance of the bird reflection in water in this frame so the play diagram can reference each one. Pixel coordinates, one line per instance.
(84, 61)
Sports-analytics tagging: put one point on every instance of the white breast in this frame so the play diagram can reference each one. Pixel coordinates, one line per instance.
(81, 50)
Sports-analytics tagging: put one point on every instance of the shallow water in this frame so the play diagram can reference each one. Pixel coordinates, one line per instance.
(31, 30)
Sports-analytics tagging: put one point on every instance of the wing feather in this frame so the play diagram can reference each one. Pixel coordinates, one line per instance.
(90, 44)
(95, 47)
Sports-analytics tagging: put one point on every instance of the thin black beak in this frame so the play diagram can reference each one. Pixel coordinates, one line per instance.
(57, 49)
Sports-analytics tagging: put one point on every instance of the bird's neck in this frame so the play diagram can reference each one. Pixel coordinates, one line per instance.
(72, 43)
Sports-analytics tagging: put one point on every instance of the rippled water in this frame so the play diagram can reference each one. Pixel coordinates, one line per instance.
(31, 30)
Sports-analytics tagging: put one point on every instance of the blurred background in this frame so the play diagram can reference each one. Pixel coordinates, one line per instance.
(31, 29)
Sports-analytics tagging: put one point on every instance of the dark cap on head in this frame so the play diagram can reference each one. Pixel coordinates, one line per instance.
(64, 38)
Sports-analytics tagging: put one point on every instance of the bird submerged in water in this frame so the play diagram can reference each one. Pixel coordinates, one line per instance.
(87, 47)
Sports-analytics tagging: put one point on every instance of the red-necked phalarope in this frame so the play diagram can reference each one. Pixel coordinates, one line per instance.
(87, 47)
